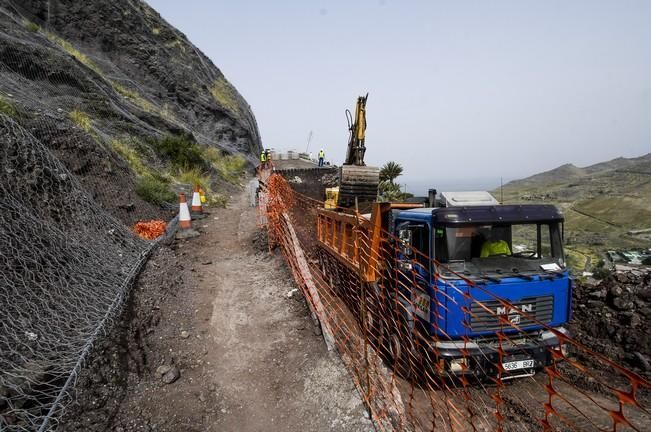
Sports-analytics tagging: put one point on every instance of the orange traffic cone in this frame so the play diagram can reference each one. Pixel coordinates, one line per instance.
(196, 200)
(185, 221)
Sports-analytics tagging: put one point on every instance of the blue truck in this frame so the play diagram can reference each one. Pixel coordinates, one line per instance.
(464, 286)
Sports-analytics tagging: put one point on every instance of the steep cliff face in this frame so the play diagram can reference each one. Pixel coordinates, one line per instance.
(106, 112)
(98, 81)
(128, 44)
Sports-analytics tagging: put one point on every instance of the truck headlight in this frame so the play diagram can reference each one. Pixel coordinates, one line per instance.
(458, 365)
(563, 348)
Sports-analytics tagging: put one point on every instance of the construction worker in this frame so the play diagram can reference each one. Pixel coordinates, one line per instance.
(321, 157)
(263, 158)
(268, 156)
(494, 246)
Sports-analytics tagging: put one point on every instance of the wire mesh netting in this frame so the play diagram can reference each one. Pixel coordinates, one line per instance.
(66, 268)
(67, 197)
(412, 374)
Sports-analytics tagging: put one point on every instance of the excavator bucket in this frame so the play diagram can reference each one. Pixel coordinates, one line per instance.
(359, 182)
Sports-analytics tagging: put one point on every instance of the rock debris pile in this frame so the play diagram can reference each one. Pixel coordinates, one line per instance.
(612, 318)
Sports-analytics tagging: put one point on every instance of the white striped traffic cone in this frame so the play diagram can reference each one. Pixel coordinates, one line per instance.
(185, 221)
(196, 200)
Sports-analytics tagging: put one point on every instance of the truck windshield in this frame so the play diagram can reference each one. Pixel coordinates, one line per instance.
(499, 250)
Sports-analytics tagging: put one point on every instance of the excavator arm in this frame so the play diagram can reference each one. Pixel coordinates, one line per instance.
(357, 128)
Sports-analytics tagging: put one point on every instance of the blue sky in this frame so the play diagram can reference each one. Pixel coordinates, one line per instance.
(460, 91)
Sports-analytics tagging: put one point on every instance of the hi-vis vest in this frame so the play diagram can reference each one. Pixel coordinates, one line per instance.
(494, 248)
(263, 157)
(321, 154)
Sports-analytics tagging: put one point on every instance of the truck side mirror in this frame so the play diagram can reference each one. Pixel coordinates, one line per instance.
(405, 242)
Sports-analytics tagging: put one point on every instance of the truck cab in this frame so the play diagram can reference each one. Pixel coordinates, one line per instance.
(491, 285)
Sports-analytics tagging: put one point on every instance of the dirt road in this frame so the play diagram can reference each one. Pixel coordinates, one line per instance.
(249, 356)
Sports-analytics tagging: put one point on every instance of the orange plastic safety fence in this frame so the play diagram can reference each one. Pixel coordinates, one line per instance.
(401, 369)
(150, 230)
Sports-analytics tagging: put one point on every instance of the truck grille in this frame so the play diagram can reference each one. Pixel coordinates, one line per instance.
(542, 308)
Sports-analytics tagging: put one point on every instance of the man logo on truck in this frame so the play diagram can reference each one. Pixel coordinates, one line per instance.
(513, 314)
(502, 310)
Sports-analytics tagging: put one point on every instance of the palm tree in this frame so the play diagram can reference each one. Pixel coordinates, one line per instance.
(390, 171)
(389, 192)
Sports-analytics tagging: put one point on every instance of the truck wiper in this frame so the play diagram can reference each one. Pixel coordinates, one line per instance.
(478, 278)
(551, 275)
(516, 273)
(490, 278)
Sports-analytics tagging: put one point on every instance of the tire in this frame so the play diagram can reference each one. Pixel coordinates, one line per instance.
(376, 316)
(402, 353)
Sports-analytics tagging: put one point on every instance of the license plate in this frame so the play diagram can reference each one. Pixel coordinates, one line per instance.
(520, 364)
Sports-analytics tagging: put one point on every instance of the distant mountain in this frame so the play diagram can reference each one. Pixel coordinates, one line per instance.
(569, 171)
(620, 163)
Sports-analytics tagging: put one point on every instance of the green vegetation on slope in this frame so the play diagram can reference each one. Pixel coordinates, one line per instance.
(193, 176)
(134, 96)
(186, 163)
(81, 119)
(630, 211)
(7, 107)
(155, 189)
(130, 155)
(181, 151)
(229, 167)
(70, 49)
(225, 95)
(31, 27)
(150, 185)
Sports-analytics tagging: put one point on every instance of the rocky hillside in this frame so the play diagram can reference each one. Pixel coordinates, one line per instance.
(106, 112)
(612, 318)
(103, 83)
(602, 203)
